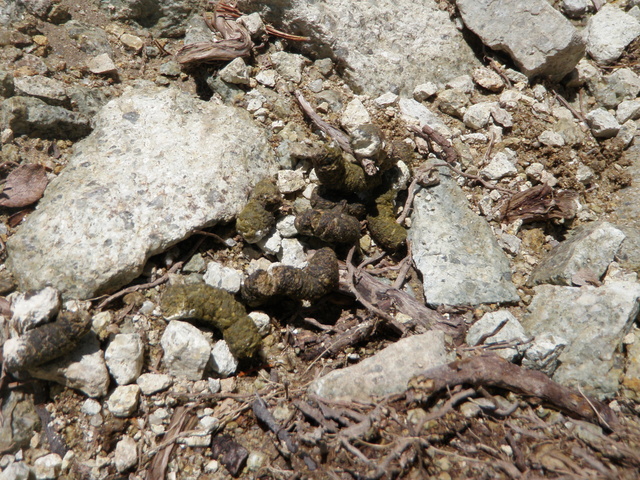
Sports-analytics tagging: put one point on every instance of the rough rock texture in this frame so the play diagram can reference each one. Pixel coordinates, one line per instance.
(423, 44)
(536, 36)
(387, 372)
(456, 252)
(591, 247)
(593, 321)
(173, 158)
(609, 32)
(627, 215)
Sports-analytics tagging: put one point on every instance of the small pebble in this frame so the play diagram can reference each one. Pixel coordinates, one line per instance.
(124, 400)
(47, 467)
(126, 454)
(151, 383)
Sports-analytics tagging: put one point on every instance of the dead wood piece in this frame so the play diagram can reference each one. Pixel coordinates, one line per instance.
(261, 411)
(429, 133)
(236, 42)
(490, 370)
(540, 203)
(316, 416)
(24, 186)
(338, 344)
(180, 421)
(231, 454)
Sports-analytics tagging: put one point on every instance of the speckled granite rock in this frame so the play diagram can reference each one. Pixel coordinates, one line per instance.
(158, 165)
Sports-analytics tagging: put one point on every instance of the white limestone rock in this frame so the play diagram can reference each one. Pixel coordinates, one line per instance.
(609, 32)
(186, 350)
(222, 360)
(502, 327)
(124, 357)
(221, 276)
(126, 454)
(34, 308)
(151, 383)
(123, 401)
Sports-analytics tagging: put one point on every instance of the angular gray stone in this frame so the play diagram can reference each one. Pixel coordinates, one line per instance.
(602, 123)
(609, 32)
(458, 255)
(186, 350)
(47, 467)
(151, 383)
(222, 360)
(477, 116)
(592, 247)
(46, 89)
(611, 90)
(226, 278)
(502, 327)
(387, 372)
(453, 102)
(124, 357)
(626, 216)
(593, 321)
(159, 165)
(412, 111)
(126, 454)
(235, 72)
(32, 116)
(32, 308)
(83, 369)
(123, 401)
(539, 39)
(289, 65)
(543, 353)
(628, 110)
(382, 45)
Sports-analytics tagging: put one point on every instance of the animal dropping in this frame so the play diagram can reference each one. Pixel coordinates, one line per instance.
(256, 219)
(217, 308)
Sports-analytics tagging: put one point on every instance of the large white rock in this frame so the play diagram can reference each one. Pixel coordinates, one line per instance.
(536, 36)
(158, 165)
(609, 32)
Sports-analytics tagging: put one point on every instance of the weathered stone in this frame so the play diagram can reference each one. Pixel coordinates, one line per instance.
(575, 8)
(628, 110)
(168, 17)
(226, 278)
(383, 45)
(46, 89)
(102, 65)
(453, 102)
(501, 327)
(124, 357)
(611, 90)
(235, 72)
(477, 116)
(32, 308)
(609, 32)
(186, 350)
(626, 216)
(488, 79)
(178, 158)
(592, 247)
(31, 116)
(412, 111)
(289, 65)
(602, 123)
(151, 383)
(47, 467)
(543, 353)
(354, 115)
(461, 262)
(593, 321)
(126, 454)
(536, 36)
(420, 93)
(84, 369)
(18, 421)
(499, 167)
(124, 400)
(385, 373)
(222, 360)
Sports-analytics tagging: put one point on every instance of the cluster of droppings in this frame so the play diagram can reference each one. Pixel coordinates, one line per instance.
(331, 226)
(336, 172)
(323, 199)
(318, 278)
(46, 342)
(216, 308)
(382, 222)
(256, 219)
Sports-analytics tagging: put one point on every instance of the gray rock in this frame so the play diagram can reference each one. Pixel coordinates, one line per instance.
(220, 276)
(16, 471)
(412, 111)
(392, 58)
(235, 72)
(266, 78)
(151, 383)
(543, 353)
(126, 454)
(91, 407)
(186, 350)
(293, 253)
(32, 116)
(461, 82)
(193, 174)
(90, 39)
(420, 93)
(253, 24)
(262, 321)
(170, 69)
(602, 123)
(488, 79)
(510, 331)
(453, 102)
(289, 65)
(286, 226)
(499, 167)
(366, 141)
(47, 467)
(290, 181)
(124, 357)
(222, 360)
(354, 115)
(123, 401)
(102, 65)
(83, 369)
(593, 321)
(611, 90)
(32, 308)
(575, 8)
(460, 259)
(7, 88)
(477, 116)
(19, 421)
(628, 110)
(627, 133)
(626, 216)
(551, 139)
(609, 32)
(385, 373)
(87, 101)
(536, 36)
(592, 247)
(46, 89)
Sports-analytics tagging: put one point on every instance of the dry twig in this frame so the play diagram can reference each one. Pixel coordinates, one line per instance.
(341, 138)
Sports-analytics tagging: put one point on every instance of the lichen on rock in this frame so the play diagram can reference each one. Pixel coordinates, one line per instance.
(318, 278)
(217, 308)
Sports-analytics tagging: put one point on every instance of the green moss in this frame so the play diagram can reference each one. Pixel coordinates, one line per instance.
(216, 308)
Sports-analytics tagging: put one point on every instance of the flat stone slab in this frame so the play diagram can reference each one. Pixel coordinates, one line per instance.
(387, 372)
(593, 321)
(592, 247)
(456, 252)
(387, 45)
(539, 39)
(158, 165)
